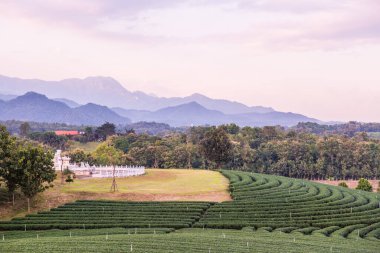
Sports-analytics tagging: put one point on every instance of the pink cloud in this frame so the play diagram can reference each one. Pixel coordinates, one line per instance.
(289, 24)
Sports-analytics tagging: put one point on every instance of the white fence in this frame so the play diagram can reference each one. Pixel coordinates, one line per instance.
(107, 171)
(120, 171)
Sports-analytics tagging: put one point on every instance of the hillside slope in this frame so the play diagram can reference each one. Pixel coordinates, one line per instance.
(36, 107)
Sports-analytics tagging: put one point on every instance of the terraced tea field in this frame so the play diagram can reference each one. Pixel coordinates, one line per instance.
(290, 204)
(111, 214)
(183, 240)
(268, 214)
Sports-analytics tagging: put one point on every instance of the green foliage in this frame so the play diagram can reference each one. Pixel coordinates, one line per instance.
(77, 156)
(106, 154)
(348, 129)
(25, 129)
(271, 150)
(112, 214)
(278, 202)
(105, 130)
(8, 155)
(231, 128)
(25, 165)
(156, 240)
(268, 212)
(13, 126)
(38, 173)
(51, 139)
(364, 185)
(67, 172)
(124, 143)
(69, 179)
(343, 184)
(216, 146)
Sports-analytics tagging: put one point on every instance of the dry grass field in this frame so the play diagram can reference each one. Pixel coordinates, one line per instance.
(155, 185)
(176, 184)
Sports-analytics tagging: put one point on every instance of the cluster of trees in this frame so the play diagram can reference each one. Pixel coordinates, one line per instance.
(23, 128)
(270, 150)
(105, 154)
(17, 126)
(350, 129)
(61, 142)
(24, 165)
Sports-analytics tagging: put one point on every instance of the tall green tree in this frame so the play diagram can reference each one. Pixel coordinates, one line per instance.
(77, 156)
(105, 130)
(24, 129)
(8, 170)
(106, 154)
(89, 134)
(51, 139)
(36, 165)
(216, 146)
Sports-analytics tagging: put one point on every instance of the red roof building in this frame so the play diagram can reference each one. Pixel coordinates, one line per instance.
(66, 133)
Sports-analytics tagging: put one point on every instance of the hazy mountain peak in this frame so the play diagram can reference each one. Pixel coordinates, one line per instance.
(197, 95)
(32, 95)
(36, 107)
(94, 107)
(192, 104)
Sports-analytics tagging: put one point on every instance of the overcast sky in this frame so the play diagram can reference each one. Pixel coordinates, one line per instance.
(316, 57)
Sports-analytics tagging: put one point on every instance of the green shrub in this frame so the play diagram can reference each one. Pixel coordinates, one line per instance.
(364, 185)
(69, 179)
(67, 172)
(343, 184)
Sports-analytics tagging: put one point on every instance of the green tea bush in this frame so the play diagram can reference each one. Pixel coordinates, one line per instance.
(343, 184)
(364, 185)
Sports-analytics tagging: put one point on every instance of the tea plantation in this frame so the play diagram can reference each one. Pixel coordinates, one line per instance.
(289, 204)
(109, 214)
(268, 214)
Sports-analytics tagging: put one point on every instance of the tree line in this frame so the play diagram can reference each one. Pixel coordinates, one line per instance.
(350, 129)
(270, 150)
(24, 165)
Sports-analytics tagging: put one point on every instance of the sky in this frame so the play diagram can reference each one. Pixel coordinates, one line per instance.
(320, 58)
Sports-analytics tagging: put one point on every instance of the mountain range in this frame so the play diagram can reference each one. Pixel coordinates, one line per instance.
(100, 94)
(195, 114)
(36, 107)
(107, 91)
